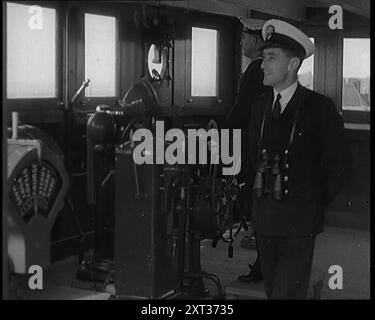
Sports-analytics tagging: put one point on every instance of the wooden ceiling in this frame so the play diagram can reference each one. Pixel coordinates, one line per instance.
(290, 9)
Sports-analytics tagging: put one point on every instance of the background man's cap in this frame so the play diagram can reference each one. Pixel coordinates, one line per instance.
(280, 34)
(253, 26)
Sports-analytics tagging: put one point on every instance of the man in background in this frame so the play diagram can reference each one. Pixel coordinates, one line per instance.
(250, 86)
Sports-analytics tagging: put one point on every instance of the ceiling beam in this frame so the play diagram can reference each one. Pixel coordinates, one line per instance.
(211, 6)
(359, 7)
(288, 9)
(291, 9)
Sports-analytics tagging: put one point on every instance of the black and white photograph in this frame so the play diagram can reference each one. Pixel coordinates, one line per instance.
(186, 155)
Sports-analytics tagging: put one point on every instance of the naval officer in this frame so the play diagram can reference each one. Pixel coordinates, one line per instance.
(299, 155)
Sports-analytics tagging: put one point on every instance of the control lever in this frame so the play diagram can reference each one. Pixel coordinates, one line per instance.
(214, 242)
(230, 250)
(138, 195)
(84, 85)
(106, 179)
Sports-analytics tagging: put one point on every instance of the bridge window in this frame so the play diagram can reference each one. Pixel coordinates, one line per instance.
(306, 72)
(100, 55)
(356, 74)
(31, 52)
(204, 62)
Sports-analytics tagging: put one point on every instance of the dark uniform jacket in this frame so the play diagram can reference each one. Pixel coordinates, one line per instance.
(318, 161)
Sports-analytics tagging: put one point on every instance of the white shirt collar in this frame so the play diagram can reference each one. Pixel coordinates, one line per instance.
(286, 95)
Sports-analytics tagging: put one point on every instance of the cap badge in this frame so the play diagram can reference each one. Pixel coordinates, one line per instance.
(269, 31)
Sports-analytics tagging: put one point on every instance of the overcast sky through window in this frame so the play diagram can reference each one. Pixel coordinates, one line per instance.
(356, 59)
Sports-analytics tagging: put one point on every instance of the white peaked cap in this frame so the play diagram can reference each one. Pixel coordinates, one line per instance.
(282, 34)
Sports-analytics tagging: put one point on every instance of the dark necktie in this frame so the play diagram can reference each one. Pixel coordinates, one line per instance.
(276, 111)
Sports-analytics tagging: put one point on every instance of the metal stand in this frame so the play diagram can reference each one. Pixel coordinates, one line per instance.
(191, 277)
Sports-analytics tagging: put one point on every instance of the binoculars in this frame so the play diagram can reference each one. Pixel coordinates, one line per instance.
(269, 176)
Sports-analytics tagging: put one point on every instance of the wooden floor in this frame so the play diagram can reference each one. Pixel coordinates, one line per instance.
(347, 248)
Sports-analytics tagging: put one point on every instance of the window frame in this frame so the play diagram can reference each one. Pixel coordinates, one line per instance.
(45, 105)
(203, 99)
(351, 116)
(204, 102)
(315, 59)
(318, 77)
(92, 102)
